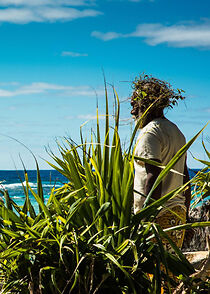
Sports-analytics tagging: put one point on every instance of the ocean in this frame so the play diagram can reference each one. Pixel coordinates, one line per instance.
(10, 180)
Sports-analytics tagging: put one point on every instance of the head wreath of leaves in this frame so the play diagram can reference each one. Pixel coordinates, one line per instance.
(148, 90)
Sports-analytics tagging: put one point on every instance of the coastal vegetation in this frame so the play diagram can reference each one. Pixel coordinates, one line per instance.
(85, 238)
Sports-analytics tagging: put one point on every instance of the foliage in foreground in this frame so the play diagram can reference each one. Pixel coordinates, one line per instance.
(85, 239)
(201, 181)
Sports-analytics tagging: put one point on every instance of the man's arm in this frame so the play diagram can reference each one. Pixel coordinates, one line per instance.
(152, 174)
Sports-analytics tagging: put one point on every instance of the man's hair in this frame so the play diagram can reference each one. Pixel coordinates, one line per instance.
(149, 90)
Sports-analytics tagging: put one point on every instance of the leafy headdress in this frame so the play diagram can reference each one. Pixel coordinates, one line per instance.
(148, 91)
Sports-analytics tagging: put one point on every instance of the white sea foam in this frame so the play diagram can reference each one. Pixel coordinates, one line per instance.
(31, 184)
(50, 186)
(17, 185)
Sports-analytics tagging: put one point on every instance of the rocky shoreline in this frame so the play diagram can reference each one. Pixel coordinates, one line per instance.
(198, 238)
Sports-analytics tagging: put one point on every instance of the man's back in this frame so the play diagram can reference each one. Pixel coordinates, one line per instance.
(160, 140)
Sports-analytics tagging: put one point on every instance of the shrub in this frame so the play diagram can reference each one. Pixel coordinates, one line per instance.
(85, 239)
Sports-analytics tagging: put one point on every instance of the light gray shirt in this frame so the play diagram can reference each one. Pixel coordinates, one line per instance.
(159, 139)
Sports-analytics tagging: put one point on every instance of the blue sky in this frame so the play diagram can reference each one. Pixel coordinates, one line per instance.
(51, 58)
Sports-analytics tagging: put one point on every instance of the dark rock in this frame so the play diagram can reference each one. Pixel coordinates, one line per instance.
(197, 239)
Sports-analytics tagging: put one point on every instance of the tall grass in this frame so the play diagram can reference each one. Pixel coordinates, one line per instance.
(85, 238)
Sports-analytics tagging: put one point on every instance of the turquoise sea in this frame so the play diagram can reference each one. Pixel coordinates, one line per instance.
(11, 180)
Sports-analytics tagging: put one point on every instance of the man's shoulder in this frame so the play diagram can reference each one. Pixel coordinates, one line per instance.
(162, 127)
(155, 126)
(171, 132)
(165, 124)
(171, 126)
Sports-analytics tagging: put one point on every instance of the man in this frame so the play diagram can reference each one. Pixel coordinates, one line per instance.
(159, 140)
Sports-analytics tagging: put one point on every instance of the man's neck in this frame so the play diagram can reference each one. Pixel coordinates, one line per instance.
(148, 119)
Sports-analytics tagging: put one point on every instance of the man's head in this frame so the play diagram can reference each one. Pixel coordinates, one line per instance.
(153, 93)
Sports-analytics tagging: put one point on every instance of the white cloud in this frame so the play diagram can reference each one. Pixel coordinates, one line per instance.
(73, 54)
(25, 11)
(188, 35)
(106, 36)
(9, 84)
(57, 2)
(87, 116)
(64, 14)
(179, 35)
(19, 16)
(5, 93)
(135, 1)
(45, 2)
(46, 88)
(206, 110)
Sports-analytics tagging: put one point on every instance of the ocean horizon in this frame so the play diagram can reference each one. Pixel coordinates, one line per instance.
(12, 181)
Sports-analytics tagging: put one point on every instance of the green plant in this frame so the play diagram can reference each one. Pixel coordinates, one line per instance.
(85, 239)
(201, 181)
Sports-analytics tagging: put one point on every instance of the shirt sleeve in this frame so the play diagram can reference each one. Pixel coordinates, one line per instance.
(148, 146)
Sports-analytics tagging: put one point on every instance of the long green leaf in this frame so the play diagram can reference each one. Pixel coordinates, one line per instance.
(188, 226)
(8, 214)
(98, 147)
(114, 260)
(105, 161)
(39, 200)
(208, 153)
